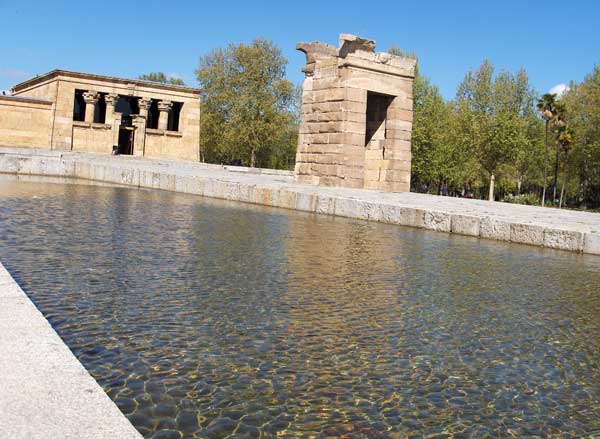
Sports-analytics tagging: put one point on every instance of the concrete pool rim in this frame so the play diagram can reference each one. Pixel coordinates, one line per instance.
(573, 231)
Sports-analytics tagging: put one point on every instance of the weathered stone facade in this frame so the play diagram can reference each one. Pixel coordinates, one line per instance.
(356, 120)
(64, 110)
(25, 122)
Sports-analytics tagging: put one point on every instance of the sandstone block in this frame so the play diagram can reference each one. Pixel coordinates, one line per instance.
(333, 116)
(399, 168)
(354, 107)
(527, 234)
(246, 193)
(353, 183)
(306, 202)
(328, 95)
(563, 239)
(325, 83)
(287, 199)
(438, 221)
(465, 225)
(494, 229)
(592, 243)
(397, 148)
(325, 205)
(394, 134)
(398, 124)
(330, 181)
(352, 116)
(374, 154)
(397, 176)
(231, 191)
(401, 103)
(356, 95)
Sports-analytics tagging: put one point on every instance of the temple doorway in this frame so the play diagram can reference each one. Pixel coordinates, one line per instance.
(126, 137)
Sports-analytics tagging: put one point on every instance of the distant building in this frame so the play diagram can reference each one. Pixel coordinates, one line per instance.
(84, 112)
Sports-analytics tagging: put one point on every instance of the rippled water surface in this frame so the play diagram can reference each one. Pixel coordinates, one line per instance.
(203, 318)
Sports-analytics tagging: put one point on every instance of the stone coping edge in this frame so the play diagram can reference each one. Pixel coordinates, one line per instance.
(46, 392)
(285, 194)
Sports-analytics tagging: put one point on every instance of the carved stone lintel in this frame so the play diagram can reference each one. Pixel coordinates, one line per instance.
(313, 52)
(144, 103)
(111, 99)
(91, 97)
(165, 105)
(351, 43)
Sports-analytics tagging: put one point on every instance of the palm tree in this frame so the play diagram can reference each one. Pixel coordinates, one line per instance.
(565, 138)
(559, 122)
(545, 106)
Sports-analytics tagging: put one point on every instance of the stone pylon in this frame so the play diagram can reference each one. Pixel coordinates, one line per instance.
(357, 116)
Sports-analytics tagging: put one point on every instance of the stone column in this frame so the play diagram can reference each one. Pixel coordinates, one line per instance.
(111, 101)
(165, 108)
(91, 99)
(139, 142)
(144, 104)
(113, 118)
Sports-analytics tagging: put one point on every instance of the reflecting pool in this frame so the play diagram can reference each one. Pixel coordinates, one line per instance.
(208, 319)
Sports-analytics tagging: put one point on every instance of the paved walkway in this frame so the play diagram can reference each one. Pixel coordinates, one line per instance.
(45, 392)
(562, 229)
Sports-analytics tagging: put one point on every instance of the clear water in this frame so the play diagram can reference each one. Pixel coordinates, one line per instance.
(203, 318)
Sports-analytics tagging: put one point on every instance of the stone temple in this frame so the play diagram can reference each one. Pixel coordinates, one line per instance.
(72, 111)
(356, 119)
(355, 128)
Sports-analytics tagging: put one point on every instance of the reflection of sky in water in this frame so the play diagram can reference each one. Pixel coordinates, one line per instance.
(204, 318)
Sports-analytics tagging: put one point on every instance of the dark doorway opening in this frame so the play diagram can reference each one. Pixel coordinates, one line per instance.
(173, 123)
(126, 137)
(127, 105)
(100, 113)
(153, 115)
(79, 106)
(377, 106)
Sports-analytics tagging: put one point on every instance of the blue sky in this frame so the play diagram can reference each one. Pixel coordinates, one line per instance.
(554, 41)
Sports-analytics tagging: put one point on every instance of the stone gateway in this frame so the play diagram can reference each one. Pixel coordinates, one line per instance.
(355, 129)
(356, 122)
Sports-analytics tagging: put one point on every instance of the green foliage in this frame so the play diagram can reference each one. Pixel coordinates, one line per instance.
(249, 111)
(492, 128)
(528, 199)
(162, 78)
(582, 103)
(397, 51)
(489, 129)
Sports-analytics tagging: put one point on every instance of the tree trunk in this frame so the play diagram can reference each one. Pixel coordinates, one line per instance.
(545, 168)
(519, 183)
(555, 174)
(492, 181)
(252, 158)
(562, 190)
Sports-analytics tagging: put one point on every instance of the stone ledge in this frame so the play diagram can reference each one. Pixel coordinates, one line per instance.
(155, 132)
(544, 227)
(52, 398)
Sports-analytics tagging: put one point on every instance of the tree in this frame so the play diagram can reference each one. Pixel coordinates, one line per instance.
(496, 113)
(565, 139)
(559, 123)
(249, 109)
(583, 106)
(162, 78)
(438, 157)
(397, 51)
(546, 106)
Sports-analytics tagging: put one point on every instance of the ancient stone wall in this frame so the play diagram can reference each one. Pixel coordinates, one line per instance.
(60, 88)
(356, 120)
(25, 122)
